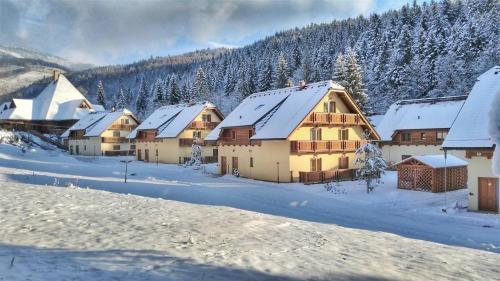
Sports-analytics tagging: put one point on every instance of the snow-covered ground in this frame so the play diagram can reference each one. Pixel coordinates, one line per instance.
(240, 229)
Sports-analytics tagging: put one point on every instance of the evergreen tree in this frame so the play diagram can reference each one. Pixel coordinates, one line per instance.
(340, 73)
(175, 92)
(354, 81)
(200, 86)
(266, 76)
(282, 78)
(121, 101)
(158, 94)
(141, 105)
(372, 164)
(101, 96)
(307, 71)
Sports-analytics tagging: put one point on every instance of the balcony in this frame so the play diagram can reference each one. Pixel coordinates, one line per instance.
(203, 125)
(327, 176)
(189, 142)
(231, 141)
(325, 146)
(113, 139)
(122, 127)
(323, 118)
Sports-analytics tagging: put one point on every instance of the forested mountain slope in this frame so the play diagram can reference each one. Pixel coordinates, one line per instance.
(435, 49)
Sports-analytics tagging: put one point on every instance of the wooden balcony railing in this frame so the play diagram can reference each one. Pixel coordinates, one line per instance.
(325, 146)
(326, 176)
(123, 127)
(189, 142)
(230, 141)
(149, 135)
(323, 118)
(203, 125)
(419, 142)
(113, 139)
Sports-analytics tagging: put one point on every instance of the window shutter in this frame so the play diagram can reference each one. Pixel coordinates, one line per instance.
(318, 165)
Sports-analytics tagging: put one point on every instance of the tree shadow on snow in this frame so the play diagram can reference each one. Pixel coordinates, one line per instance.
(33, 263)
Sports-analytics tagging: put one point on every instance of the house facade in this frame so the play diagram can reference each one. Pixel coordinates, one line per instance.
(168, 134)
(102, 133)
(307, 133)
(470, 139)
(54, 110)
(417, 127)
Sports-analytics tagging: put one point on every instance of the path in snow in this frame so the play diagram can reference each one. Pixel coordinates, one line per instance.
(57, 233)
(411, 214)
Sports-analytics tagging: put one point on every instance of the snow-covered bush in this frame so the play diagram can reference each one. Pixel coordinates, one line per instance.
(196, 154)
(334, 187)
(372, 164)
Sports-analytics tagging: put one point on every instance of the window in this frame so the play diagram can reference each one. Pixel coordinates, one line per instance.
(329, 106)
(206, 118)
(116, 133)
(404, 156)
(344, 163)
(315, 133)
(423, 136)
(196, 134)
(405, 136)
(259, 106)
(116, 147)
(250, 133)
(251, 162)
(84, 148)
(316, 165)
(233, 135)
(132, 146)
(125, 121)
(440, 136)
(343, 134)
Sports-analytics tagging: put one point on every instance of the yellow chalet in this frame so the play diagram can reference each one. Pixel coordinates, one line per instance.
(308, 133)
(102, 133)
(167, 135)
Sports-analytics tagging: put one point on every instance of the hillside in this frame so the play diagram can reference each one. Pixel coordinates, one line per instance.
(426, 50)
(20, 67)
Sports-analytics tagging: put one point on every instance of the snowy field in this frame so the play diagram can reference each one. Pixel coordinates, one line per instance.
(226, 228)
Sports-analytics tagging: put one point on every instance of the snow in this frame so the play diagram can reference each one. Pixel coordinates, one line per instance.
(85, 122)
(158, 118)
(495, 133)
(60, 100)
(429, 113)
(182, 120)
(283, 110)
(437, 161)
(107, 120)
(375, 119)
(192, 225)
(471, 128)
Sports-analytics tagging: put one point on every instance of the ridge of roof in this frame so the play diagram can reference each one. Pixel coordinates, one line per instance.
(431, 100)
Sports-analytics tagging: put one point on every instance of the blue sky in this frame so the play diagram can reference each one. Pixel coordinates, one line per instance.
(122, 31)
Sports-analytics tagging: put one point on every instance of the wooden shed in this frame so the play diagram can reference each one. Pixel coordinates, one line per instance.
(427, 173)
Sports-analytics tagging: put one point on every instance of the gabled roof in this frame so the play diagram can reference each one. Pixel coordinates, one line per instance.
(436, 161)
(428, 113)
(60, 100)
(171, 120)
(275, 114)
(471, 128)
(97, 122)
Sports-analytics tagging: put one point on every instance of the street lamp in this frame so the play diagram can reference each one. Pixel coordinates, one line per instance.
(126, 167)
(278, 170)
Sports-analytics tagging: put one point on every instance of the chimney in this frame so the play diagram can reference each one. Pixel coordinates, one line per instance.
(55, 74)
(302, 85)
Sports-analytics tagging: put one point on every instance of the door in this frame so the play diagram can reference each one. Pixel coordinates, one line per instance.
(344, 163)
(223, 165)
(71, 149)
(235, 163)
(146, 155)
(139, 154)
(77, 150)
(488, 196)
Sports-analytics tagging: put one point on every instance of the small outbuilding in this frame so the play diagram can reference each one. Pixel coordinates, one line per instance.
(430, 172)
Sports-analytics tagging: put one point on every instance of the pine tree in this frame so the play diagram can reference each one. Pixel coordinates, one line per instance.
(141, 105)
(175, 92)
(101, 96)
(266, 76)
(282, 78)
(307, 71)
(340, 73)
(200, 86)
(158, 94)
(296, 57)
(354, 81)
(372, 164)
(121, 100)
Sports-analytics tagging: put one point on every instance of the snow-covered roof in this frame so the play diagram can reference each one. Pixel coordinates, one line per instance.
(275, 113)
(60, 100)
(375, 119)
(171, 120)
(107, 120)
(95, 123)
(471, 128)
(428, 113)
(437, 161)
